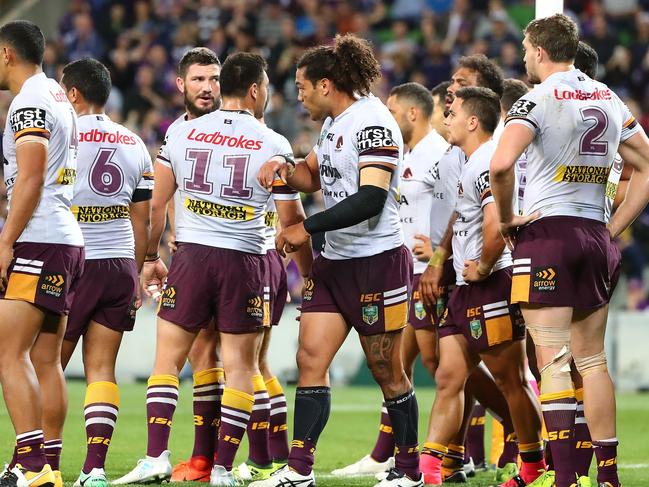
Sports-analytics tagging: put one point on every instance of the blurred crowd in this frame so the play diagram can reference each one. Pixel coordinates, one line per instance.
(141, 42)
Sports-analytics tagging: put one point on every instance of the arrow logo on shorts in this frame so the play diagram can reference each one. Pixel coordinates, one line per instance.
(55, 279)
(547, 274)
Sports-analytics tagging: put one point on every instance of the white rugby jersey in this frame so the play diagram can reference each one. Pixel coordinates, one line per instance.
(416, 192)
(215, 159)
(41, 109)
(113, 163)
(444, 177)
(614, 176)
(177, 201)
(578, 124)
(474, 193)
(521, 165)
(364, 133)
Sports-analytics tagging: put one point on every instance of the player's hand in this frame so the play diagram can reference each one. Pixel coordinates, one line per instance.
(172, 244)
(429, 286)
(137, 302)
(423, 250)
(291, 238)
(509, 230)
(6, 256)
(276, 165)
(472, 273)
(154, 274)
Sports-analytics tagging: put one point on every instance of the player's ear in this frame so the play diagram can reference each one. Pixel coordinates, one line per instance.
(253, 91)
(412, 113)
(325, 86)
(180, 84)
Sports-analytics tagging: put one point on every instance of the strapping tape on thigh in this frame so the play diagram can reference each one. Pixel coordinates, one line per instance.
(549, 336)
(594, 363)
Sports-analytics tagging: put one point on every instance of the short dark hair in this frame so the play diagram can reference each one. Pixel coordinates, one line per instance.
(557, 35)
(240, 71)
(90, 77)
(586, 60)
(489, 74)
(26, 38)
(350, 64)
(482, 103)
(198, 55)
(417, 94)
(439, 91)
(514, 89)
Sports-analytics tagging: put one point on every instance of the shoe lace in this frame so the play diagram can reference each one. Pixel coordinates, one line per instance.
(8, 478)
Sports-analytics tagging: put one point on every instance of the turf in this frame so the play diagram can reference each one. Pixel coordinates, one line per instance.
(349, 435)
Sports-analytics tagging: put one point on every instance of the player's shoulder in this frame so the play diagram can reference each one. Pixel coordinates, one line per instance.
(39, 91)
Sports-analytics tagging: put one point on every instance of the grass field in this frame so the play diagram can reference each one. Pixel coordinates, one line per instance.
(349, 435)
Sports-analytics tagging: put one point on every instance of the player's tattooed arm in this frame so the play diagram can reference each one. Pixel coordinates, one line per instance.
(291, 213)
(635, 152)
(383, 353)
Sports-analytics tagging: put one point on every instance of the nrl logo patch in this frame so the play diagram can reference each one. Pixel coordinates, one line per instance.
(370, 314)
(420, 311)
(476, 329)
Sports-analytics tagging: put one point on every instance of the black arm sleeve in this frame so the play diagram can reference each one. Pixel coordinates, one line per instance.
(361, 206)
(141, 195)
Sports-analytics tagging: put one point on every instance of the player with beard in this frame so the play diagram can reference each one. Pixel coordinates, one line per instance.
(565, 263)
(198, 80)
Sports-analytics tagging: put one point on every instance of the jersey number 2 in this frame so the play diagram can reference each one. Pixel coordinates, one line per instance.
(590, 143)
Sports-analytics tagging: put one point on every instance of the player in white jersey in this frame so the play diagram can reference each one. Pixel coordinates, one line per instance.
(111, 204)
(363, 278)
(411, 104)
(41, 246)
(219, 269)
(198, 81)
(474, 70)
(565, 261)
(479, 323)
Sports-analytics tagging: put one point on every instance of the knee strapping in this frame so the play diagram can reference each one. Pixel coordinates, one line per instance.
(555, 376)
(594, 363)
(549, 336)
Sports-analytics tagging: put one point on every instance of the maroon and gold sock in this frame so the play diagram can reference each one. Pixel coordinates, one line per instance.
(583, 454)
(278, 433)
(100, 410)
(475, 435)
(559, 415)
(384, 446)
(29, 451)
(52, 449)
(236, 408)
(606, 456)
(258, 426)
(161, 401)
(205, 398)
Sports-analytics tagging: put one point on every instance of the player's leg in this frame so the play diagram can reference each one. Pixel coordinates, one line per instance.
(550, 330)
(506, 362)
(46, 357)
(587, 345)
(101, 404)
(173, 343)
(206, 405)
(278, 431)
(321, 336)
(19, 326)
(455, 365)
(240, 355)
(583, 454)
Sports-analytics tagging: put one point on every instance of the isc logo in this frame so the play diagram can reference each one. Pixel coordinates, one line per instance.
(261, 425)
(98, 440)
(230, 439)
(163, 421)
(473, 312)
(370, 297)
(281, 427)
(559, 435)
(584, 444)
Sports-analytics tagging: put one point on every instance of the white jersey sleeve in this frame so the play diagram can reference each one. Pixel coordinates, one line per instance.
(614, 176)
(578, 124)
(41, 112)
(474, 193)
(364, 133)
(416, 191)
(113, 164)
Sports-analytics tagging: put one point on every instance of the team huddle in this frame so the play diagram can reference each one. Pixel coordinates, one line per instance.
(455, 222)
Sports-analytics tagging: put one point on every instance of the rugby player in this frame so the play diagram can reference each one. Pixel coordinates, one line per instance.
(479, 323)
(219, 270)
(439, 107)
(411, 104)
(363, 278)
(570, 127)
(198, 81)
(41, 249)
(472, 71)
(111, 203)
